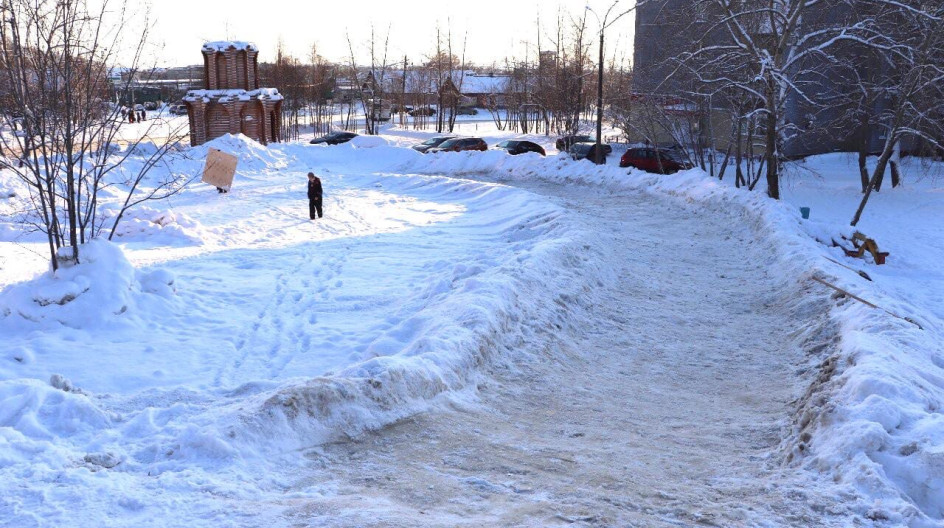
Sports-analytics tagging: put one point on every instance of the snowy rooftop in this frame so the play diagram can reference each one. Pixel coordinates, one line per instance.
(270, 94)
(221, 45)
(468, 82)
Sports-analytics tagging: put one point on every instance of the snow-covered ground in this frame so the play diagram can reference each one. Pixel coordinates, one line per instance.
(184, 376)
(248, 331)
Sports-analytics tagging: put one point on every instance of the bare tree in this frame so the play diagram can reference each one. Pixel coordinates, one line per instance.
(54, 62)
(770, 52)
(371, 87)
(288, 73)
(912, 86)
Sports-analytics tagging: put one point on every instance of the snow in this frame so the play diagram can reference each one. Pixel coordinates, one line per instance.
(218, 335)
(244, 320)
(223, 45)
(233, 94)
(368, 142)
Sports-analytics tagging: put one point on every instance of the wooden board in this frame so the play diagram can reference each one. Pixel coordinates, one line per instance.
(220, 169)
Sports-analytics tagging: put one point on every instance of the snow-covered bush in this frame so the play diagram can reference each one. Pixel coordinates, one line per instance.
(164, 226)
(104, 285)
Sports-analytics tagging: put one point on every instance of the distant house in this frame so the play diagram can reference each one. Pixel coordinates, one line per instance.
(422, 86)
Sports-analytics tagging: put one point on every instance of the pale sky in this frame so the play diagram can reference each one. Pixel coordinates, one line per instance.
(495, 28)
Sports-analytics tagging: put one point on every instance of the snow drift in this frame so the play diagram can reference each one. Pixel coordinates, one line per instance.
(103, 286)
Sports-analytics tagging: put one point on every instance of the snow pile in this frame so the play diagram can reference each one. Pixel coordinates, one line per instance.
(871, 416)
(500, 164)
(166, 227)
(252, 156)
(368, 142)
(144, 149)
(102, 287)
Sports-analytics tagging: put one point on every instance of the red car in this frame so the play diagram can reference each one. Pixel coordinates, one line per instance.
(460, 144)
(652, 160)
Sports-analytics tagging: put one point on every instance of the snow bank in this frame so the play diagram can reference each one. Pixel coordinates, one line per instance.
(368, 142)
(99, 290)
(871, 415)
(469, 314)
(163, 227)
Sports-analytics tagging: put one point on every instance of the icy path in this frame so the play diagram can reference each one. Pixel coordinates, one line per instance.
(662, 406)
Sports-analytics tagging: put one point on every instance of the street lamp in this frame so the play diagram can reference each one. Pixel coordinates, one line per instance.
(598, 155)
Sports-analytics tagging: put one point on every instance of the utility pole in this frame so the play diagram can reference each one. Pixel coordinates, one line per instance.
(403, 97)
(598, 156)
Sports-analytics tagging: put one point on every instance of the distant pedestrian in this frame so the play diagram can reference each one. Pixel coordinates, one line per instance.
(131, 116)
(142, 116)
(314, 195)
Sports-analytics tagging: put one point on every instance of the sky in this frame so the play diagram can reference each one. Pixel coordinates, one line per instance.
(494, 29)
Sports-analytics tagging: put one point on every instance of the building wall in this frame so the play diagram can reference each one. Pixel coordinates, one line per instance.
(231, 69)
(254, 118)
(665, 28)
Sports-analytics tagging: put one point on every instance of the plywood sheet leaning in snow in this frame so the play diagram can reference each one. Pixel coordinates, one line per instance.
(219, 169)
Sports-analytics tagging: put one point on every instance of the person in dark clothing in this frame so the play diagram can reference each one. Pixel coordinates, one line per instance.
(314, 195)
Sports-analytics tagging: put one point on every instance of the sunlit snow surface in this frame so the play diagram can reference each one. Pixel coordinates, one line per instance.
(248, 330)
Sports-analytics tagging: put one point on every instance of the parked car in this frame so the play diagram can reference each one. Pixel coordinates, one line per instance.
(431, 143)
(515, 146)
(466, 110)
(460, 144)
(565, 142)
(652, 160)
(425, 111)
(579, 151)
(334, 138)
(150, 105)
(178, 109)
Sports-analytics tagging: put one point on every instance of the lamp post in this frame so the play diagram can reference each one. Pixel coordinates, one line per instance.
(598, 156)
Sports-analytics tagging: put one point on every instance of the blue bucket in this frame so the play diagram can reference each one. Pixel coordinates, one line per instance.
(805, 212)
